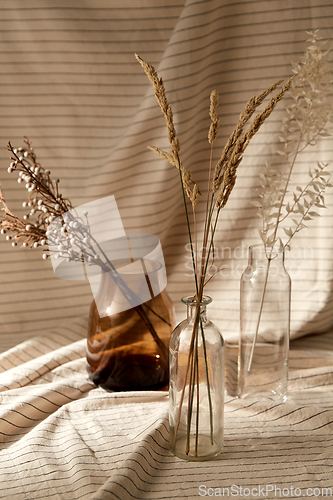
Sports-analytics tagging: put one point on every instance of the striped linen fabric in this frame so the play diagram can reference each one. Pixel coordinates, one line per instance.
(61, 437)
(70, 82)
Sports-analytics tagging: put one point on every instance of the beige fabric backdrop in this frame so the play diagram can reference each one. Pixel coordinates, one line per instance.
(69, 81)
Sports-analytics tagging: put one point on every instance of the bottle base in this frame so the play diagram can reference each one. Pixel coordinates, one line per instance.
(130, 376)
(263, 396)
(205, 450)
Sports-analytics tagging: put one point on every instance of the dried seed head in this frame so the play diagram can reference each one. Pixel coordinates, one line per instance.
(194, 198)
(214, 126)
(187, 177)
(164, 155)
(163, 103)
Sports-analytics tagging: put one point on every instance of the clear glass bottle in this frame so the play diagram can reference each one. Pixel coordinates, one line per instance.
(264, 326)
(196, 385)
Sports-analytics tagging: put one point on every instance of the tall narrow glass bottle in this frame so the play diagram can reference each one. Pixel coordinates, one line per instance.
(264, 326)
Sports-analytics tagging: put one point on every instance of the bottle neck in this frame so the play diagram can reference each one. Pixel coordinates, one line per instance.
(193, 307)
(260, 257)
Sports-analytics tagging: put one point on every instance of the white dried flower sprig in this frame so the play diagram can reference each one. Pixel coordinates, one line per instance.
(44, 203)
(309, 118)
(51, 220)
(71, 239)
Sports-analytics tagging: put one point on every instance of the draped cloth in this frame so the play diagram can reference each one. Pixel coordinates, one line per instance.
(71, 83)
(61, 437)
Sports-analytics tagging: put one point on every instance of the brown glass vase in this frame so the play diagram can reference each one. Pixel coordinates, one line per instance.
(129, 350)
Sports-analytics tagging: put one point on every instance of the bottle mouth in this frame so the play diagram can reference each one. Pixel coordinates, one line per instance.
(128, 267)
(259, 252)
(190, 300)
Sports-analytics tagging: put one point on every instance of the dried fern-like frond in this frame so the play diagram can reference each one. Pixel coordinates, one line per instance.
(310, 115)
(268, 201)
(307, 120)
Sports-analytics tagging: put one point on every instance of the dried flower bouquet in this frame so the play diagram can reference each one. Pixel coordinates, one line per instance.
(73, 241)
(220, 185)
